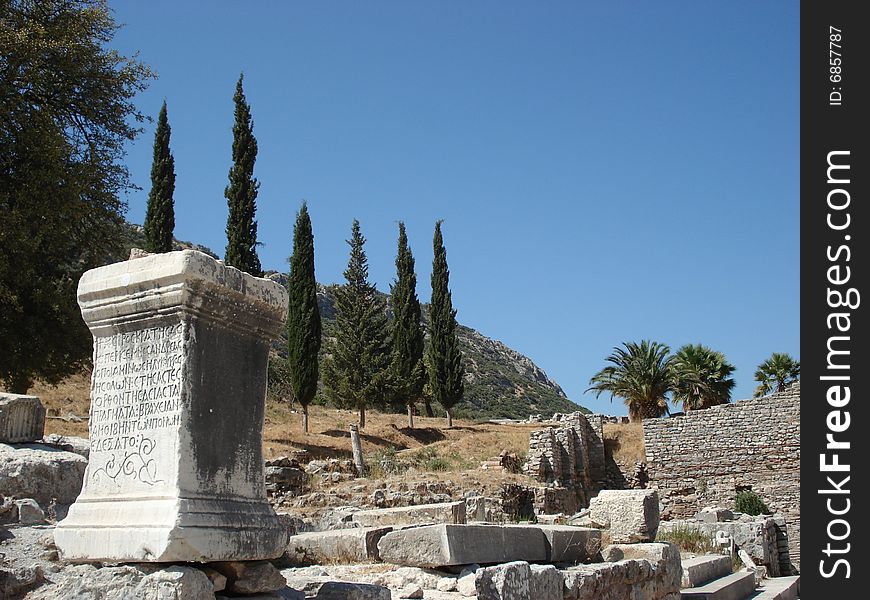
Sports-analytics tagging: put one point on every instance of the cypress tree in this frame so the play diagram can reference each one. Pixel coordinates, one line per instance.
(303, 316)
(446, 371)
(407, 332)
(160, 214)
(241, 193)
(356, 372)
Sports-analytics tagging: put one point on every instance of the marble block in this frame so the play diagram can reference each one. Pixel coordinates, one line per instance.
(22, 418)
(181, 346)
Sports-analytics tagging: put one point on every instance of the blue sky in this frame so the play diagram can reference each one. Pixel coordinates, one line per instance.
(606, 171)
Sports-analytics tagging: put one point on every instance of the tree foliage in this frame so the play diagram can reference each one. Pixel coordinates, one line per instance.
(241, 193)
(641, 374)
(160, 212)
(356, 370)
(303, 317)
(702, 377)
(66, 112)
(775, 373)
(408, 372)
(446, 371)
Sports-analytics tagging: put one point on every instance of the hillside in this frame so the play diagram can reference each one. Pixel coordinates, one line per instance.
(499, 381)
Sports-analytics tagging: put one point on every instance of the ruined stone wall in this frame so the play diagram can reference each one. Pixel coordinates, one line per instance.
(568, 458)
(706, 456)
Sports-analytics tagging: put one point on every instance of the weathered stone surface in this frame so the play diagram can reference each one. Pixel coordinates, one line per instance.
(693, 464)
(8, 511)
(567, 544)
(29, 512)
(701, 569)
(411, 592)
(218, 579)
(181, 346)
(141, 582)
(424, 514)
(443, 545)
(339, 546)
(69, 443)
(631, 515)
(546, 582)
(250, 577)
(341, 590)
(714, 514)
(663, 556)
(17, 581)
(41, 472)
(22, 418)
(509, 581)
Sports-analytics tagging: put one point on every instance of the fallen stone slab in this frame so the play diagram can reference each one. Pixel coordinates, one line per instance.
(339, 546)
(22, 418)
(509, 581)
(41, 472)
(714, 514)
(664, 557)
(736, 586)
(702, 569)
(631, 515)
(566, 544)
(421, 514)
(446, 545)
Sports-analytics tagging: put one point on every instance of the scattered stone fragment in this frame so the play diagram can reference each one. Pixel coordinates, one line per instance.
(29, 512)
(411, 591)
(341, 590)
(545, 583)
(631, 515)
(218, 579)
(509, 581)
(22, 418)
(78, 445)
(17, 581)
(250, 577)
(8, 511)
(41, 472)
(714, 514)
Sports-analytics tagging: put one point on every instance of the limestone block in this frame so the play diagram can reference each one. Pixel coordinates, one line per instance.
(444, 545)
(509, 581)
(17, 581)
(701, 569)
(141, 582)
(41, 472)
(22, 418)
(568, 544)
(181, 345)
(631, 515)
(422, 514)
(339, 546)
(545, 582)
(29, 512)
(714, 514)
(663, 556)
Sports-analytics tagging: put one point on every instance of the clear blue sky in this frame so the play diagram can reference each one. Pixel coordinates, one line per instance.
(606, 171)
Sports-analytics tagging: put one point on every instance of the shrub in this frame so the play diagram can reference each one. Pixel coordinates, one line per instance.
(750, 503)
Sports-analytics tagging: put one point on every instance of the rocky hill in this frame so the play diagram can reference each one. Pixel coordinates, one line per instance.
(499, 381)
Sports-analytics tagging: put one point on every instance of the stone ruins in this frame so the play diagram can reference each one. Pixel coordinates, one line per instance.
(170, 498)
(178, 395)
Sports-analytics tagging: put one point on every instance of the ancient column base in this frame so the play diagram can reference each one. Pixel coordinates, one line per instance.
(170, 530)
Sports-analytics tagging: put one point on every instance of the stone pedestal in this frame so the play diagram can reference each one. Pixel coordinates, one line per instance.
(181, 346)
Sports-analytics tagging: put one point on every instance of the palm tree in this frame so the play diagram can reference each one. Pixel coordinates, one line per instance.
(641, 374)
(702, 377)
(775, 373)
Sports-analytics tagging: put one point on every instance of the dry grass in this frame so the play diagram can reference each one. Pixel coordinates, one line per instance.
(462, 447)
(624, 442)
